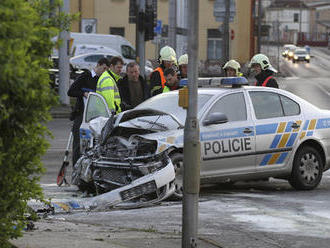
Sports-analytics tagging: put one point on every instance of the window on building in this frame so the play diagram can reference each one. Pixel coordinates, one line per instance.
(214, 44)
(295, 17)
(117, 31)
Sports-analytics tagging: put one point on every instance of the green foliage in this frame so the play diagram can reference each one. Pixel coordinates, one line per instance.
(25, 100)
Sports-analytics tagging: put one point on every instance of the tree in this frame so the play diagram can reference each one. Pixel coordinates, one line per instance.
(25, 100)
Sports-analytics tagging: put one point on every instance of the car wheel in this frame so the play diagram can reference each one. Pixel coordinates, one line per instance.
(293, 61)
(177, 161)
(307, 169)
(307, 61)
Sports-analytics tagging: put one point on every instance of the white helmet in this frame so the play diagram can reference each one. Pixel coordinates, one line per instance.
(183, 60)
(232, 64)
(262, 60)
(167, 53)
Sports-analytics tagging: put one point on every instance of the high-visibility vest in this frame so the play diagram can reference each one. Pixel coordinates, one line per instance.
(264, 84)
(162, 77)
(166, 89)
(107, 87)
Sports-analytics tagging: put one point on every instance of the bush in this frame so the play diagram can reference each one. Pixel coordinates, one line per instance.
(25, 101)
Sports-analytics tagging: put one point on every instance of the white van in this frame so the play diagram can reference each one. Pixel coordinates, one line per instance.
(108, 41)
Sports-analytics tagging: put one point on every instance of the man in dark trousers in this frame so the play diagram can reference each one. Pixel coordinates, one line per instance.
(133, 88)
(263, 70)
(80, 88)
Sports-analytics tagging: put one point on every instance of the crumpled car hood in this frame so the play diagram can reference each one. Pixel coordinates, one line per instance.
(135, 113)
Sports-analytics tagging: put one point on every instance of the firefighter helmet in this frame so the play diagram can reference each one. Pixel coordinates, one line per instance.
(167, 53)
(262, 60)
(234, 65)
(183, 60)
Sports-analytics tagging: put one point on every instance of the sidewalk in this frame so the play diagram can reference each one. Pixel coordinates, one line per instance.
(61, 111)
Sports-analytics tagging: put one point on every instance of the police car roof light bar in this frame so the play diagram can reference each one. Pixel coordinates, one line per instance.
(234, 81)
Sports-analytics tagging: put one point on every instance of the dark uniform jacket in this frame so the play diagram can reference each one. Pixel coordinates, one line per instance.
(125, 93)
(85, 82)
(261, 77)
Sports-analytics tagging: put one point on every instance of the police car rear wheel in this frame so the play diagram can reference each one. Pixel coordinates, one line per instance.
(307, 169)
(177, 160)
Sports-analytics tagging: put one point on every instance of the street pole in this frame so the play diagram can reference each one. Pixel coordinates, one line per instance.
(140, 42)
(172, 24)
(259, 26)
(300, 19)
(226, 31)
(64, 65)
(191, 160)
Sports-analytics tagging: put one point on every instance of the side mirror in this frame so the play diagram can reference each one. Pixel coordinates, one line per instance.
(215, 118)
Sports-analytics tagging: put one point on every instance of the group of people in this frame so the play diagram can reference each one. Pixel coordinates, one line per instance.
(122, 93)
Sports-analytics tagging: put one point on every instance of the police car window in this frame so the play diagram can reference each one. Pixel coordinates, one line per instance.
(233, 106)
(290, 107)
(266, 104)
(93, 58)
(95, 108)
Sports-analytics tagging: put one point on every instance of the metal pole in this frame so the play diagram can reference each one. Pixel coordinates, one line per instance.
(64, 65)
(140, 45)
(191, 160)
(278, 43)
(259, 26)
(226, 31)
(300, 19)
(172, 24)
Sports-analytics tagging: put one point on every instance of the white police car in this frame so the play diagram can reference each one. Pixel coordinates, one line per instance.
(246, 133)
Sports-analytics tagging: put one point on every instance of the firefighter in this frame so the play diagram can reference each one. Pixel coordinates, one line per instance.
(232, 68)
(167, 59)
(183, 66)
(264, 72)
(107, 84)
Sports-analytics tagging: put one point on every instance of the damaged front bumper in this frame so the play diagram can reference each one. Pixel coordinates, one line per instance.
(151, 188)
(143, 191)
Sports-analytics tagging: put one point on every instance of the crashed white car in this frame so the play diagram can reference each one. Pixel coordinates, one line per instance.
(246, 133)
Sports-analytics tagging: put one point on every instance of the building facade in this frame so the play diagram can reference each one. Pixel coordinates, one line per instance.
(112, 17)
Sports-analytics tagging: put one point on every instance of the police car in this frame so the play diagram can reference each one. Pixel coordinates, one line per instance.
(246, 133)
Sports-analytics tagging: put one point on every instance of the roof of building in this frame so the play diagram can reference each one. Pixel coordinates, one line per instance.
(288, 4)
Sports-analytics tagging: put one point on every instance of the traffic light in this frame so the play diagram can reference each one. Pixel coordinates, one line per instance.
(132, 11)
(150, 19)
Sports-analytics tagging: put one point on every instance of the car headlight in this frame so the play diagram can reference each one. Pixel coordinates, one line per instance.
(295, 57)
(307, 57)
(290, 54)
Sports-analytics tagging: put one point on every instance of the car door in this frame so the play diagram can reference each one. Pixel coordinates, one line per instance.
(278, 121)
(95, 106)
(228, 148)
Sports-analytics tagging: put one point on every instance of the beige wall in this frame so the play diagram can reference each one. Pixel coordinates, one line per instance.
(114, 13)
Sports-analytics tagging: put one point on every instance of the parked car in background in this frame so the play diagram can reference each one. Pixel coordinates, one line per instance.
(89, 61)
(301, 55)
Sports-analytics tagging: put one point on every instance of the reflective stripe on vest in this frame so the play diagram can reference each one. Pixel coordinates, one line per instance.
(162, 77)
(264, 84)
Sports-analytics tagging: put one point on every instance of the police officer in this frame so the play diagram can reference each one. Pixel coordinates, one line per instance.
(183, 66)
(85, 83)
(107, 84)
(167, 59)
(232, 68)
(264, 73)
